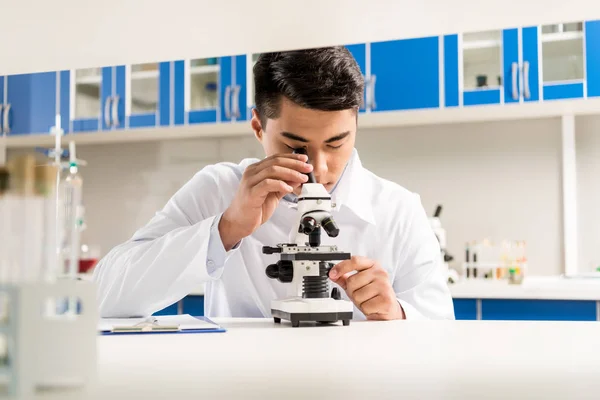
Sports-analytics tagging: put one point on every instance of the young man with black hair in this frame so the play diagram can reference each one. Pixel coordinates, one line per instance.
(213, 229)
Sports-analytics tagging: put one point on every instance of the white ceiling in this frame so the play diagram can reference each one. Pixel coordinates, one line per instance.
(47, 35)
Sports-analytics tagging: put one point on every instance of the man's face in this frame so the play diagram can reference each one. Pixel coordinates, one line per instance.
(328, 136)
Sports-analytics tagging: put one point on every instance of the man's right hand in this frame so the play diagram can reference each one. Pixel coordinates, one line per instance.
(262, 186)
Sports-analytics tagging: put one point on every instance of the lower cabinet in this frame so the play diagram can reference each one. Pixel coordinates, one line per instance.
(465, 309)
(192, 305)
(526, 310)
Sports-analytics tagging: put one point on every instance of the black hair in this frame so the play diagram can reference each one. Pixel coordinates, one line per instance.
(325, 79)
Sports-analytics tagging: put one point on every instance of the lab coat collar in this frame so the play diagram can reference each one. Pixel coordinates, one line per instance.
(353, 190)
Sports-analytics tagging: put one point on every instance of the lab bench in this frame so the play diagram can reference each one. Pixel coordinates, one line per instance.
(516, 65)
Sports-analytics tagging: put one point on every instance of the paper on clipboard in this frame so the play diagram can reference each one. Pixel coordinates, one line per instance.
(163, 322)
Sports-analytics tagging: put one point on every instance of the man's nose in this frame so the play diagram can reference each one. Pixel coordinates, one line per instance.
(319, 163)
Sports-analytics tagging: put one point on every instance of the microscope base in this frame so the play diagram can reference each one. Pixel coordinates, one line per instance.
(312, 310)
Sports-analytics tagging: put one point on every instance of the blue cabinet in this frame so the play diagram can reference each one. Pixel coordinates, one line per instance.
(525, 310)
(192, 305)
(210, 90)
(147, 94)
(538, 310)
(90, 98)
(406, 73)
(465, 309)
(520, 65)
(28, 103)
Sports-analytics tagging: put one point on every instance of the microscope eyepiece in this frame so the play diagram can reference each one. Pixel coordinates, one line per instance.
(311, 176)
(330, 227)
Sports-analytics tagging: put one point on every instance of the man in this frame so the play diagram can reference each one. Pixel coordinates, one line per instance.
(213, 229)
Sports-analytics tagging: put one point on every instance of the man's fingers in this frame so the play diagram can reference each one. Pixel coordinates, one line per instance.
(293, 161)
(366, 293)
(356, 281)
(356, 263)
(373, 305)
(271, 186)
(277, 172)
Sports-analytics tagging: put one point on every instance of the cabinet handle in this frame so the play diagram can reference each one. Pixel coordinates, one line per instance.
(115, 111)
(373, 103)
(107, 111)
(526, 91)
(515, 92)
(364, 94)
(5, 123)
(228, 102)
(1, 124)
(236, 101)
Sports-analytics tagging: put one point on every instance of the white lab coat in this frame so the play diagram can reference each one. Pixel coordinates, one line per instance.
(180, 249)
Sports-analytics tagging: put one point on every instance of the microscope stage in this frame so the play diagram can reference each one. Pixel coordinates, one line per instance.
(315, 310)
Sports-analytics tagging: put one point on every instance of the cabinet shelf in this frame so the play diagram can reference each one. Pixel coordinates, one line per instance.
(204, 69)
(481, 44)
(561, 36)
(139, 75)
(94, 80)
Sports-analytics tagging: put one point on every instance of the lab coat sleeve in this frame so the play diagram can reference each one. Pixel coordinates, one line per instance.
(167, 259)
(217, 256)
(421, 280)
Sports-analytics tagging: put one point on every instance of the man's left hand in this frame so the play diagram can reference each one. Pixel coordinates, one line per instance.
(369, 288)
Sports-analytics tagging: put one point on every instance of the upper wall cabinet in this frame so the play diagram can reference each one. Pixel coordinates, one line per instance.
(28, 103)
(549, 62)
(210, 90)
(147, 95)
(404, 74)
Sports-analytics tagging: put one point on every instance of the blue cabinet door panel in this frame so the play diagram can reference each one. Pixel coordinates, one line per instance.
(531, 56)
(65, 100)
(19, 97)
(106, 92)
(465, 309)
(164, 93)
(169, 310)
(481, 97)
(119, 93)
(2, 79)
(43, 108)
(359, 52)
(194, 305)
(225, 83)
(202, 116)
(179, 93)
(592, 57)
(451, 71)
(86, 125)
(538, 310)
(563, 91)
(407, 74)
(510, 56)
(142, 120)
(32, 98)
(240, 81)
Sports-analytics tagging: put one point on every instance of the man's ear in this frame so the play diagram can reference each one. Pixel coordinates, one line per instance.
(256, 125)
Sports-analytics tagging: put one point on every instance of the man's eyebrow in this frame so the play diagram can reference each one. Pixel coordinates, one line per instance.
(294, 137)
(337, 137)
(297, 138)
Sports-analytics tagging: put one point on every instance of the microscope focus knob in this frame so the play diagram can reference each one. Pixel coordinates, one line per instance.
(335, 294)
(283, 271)
(272, 271)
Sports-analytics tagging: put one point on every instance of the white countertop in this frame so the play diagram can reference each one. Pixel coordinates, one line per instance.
(553, 287)
(257, 359)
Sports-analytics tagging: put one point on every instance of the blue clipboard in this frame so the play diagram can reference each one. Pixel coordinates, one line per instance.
(159, 331)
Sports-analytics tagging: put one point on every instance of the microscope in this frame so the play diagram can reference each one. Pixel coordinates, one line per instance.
(305, 263)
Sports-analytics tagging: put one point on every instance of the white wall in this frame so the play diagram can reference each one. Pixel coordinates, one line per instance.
(114, 32)
(498, 180)
(588, 181)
